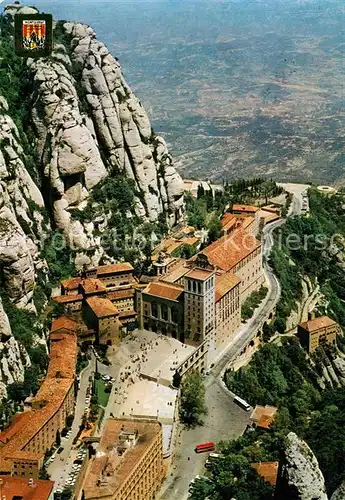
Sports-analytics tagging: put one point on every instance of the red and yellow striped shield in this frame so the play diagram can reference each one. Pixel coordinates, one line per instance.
(34, 33)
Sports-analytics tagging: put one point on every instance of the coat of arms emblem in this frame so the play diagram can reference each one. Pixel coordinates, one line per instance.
(33, 35)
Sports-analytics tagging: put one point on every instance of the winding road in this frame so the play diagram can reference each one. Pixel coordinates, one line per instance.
(225, 420)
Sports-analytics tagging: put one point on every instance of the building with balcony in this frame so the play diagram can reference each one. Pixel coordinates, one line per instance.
(316, 332)
(129, 461)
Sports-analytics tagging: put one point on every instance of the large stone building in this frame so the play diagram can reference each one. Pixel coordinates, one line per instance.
(103, 299)
(129, 461)
(210, 287)
(238, 253)
(199, 300)
(24, 443)
(317, 331)
(160, 309)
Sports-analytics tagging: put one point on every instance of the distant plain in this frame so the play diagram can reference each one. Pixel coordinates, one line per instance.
(237, 88)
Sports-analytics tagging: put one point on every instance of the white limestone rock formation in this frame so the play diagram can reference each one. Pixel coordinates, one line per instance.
(300, 477)
(339, 493)
(21, 224)
(90, 128)
(71, 160)
(13, 357)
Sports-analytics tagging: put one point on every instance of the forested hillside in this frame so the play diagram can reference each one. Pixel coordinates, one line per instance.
(308, 390)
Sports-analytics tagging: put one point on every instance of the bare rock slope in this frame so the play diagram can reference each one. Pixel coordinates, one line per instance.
(300, 477)
(90, 125)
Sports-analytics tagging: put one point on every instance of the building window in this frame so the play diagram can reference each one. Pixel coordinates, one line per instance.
(174, 315)
(164, 312)
(154, 309)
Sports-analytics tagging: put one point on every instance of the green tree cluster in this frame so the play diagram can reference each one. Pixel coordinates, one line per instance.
(192, 403)
(208, 203)
(312, 252)
(283, 377)
(280, 377)
(252, 302)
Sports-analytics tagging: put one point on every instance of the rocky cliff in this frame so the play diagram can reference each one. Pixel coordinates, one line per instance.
(70, 125)
(300, 477)
(88, 126)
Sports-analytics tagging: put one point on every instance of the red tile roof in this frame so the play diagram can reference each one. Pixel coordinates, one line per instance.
(55, 388)
(18, 487)
(247, 221)
(62, 356)
(229, 222)
(224, 283)
(125, 314)
(102, 307)
(91, 285)
(17, 423)
(317, 323)
(263, 416)
(64, 299)
(122, 466)
(229, 250)
(267, 470)
(244, 208)
(64, 323)
(199, 274)
(114, 268)
(164, 290)
(177, 273)
(127, 293)
(71, 283)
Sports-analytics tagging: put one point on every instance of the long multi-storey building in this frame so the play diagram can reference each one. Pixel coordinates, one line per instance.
(238, 253)
(129, 462)
(24, 443)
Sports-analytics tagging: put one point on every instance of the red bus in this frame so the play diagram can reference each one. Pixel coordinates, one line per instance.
(200, 448)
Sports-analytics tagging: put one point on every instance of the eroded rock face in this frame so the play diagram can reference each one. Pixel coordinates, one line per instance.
(300, 475)
(13, 357)
(21, 224)
(339, 493)
(84, 136)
